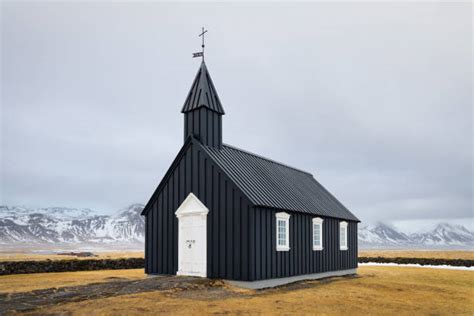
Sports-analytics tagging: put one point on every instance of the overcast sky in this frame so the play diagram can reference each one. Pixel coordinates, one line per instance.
(374, 99)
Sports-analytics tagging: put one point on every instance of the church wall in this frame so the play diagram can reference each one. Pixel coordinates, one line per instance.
(229, 229)
(267, 263)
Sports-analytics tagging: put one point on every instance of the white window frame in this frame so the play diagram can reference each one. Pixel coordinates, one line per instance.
(343, 239)
(317, 221)
(284, 217)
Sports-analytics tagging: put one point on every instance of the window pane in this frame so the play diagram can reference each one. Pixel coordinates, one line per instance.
(314, 234)
(342, 236)
(281, 233)
(317, 235)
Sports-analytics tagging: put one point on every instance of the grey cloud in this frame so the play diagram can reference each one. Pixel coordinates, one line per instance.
(374, 99)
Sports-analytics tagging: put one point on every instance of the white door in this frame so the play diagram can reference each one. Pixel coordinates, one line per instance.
(192, 237)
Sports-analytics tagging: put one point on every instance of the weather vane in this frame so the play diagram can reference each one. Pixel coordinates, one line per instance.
(201, 54)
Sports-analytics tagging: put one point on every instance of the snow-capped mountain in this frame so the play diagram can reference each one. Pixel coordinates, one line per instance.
(446, 234)
(443, 235)
(381, 234)
(69, 225)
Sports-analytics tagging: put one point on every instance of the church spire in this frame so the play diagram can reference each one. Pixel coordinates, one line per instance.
(203, 93)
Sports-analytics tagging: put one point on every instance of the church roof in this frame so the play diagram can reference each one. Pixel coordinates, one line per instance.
(271, 184)
(202, 93)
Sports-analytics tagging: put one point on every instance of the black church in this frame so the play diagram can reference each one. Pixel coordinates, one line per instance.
(223, 212)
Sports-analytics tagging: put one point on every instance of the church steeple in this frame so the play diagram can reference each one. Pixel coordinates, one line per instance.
(203, 110)
(203, 93)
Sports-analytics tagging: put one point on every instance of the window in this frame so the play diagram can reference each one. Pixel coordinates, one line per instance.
(282, 231)
(343, 235)
(317, 233)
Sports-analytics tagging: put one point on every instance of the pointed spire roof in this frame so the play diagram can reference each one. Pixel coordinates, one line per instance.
(203, 93)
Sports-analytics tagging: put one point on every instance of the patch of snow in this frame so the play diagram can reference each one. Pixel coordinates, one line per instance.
(416, 265)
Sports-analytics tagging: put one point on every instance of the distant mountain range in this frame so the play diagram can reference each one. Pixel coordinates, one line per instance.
(61, 225)
(70, 225)
(443, 235)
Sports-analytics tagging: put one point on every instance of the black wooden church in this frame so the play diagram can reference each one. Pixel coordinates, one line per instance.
(223, 212)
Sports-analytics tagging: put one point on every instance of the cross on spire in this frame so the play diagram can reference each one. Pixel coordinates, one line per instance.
(201, 54)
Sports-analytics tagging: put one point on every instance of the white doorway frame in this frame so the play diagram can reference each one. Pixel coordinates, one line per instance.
(192, 211)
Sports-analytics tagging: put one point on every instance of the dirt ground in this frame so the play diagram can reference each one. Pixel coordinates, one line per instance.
(374, 291)
(439, 254)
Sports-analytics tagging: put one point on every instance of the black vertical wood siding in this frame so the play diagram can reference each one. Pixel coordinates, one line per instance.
(301, 258)
(227, 222)
(205, 125)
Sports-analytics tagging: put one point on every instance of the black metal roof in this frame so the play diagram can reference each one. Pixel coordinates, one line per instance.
(203, 93)
(271, 184)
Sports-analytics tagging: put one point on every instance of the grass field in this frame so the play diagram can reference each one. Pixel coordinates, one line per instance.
(375, 291)
(29, 282)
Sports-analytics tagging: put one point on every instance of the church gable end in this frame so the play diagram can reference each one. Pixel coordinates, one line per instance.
(229, 226)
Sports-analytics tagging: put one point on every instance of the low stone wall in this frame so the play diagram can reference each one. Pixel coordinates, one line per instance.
(19, 267)
(421, 261)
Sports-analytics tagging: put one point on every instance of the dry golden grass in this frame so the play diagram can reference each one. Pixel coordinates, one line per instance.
(439, 254)
(377, 290)
(36, 281)
(39, 257)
